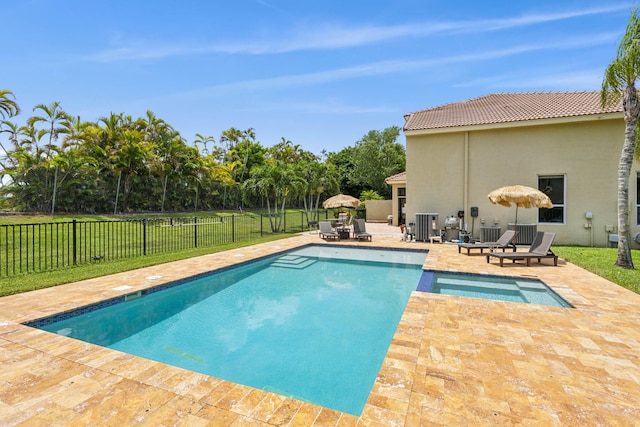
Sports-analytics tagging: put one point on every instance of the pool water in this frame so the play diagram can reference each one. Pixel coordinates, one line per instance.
(303, 324)
(530, 291)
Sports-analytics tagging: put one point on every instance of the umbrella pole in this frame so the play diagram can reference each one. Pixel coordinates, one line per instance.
(515, 224)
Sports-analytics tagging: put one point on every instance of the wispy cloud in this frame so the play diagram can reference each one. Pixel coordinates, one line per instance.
(327, 107)
(401, 66)
(327, 37)
(542, 80)
(268, 5)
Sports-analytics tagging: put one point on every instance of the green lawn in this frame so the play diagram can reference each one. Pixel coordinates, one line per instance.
(33, 281)
(35, 244)
(601, 261)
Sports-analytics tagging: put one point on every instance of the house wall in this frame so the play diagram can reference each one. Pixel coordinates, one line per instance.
(378, 210)
(448, 172)
(394, 202)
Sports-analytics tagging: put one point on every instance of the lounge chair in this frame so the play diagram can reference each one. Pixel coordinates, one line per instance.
(505, 241)
(326, 232)
(540, 248)
(359, 230)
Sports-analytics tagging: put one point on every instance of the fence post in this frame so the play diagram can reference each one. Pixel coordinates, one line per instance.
(284, 226)
(195, 231)
(144, 236)
(75, 248)
(233, 228)
(260, 224)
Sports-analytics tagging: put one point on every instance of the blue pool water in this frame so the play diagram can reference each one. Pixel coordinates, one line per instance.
(528, 291)
(314, 323)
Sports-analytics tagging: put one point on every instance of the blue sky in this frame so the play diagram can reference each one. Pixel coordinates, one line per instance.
(318, 73)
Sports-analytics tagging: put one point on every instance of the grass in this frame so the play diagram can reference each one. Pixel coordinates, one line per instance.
(33, 281)
(601, 261)
(38, 243)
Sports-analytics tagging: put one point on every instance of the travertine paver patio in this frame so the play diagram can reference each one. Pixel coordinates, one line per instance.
(453, 361)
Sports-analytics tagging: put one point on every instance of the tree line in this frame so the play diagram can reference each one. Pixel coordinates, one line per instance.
(58, 163)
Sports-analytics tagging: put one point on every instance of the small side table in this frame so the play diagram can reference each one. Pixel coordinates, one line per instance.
(343, 233)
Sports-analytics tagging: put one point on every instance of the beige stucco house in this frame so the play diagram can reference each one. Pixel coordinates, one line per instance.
(563, 143)
(398, 185)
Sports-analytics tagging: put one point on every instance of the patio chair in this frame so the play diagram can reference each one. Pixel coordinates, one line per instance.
(326, 232)
(505, 241)
(359, 230)
(342, 218)
(540, 248)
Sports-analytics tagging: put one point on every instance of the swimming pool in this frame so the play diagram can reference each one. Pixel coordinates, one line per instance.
(530, 291)
(314, 323)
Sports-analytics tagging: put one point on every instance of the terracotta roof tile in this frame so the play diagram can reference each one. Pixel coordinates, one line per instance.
(399, 177)
(509, 107)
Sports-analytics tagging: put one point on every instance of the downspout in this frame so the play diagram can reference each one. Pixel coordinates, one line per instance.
(465, 183)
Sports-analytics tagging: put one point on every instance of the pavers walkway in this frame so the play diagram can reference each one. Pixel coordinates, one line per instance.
(453, 361)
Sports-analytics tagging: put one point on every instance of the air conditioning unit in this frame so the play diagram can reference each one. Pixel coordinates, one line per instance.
(525, 233)
(426, 226)
(489, 234)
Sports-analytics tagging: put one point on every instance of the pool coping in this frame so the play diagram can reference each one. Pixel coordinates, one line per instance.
(453, 360)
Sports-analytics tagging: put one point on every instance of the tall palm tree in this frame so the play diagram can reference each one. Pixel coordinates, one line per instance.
(29, 170)
(53, 116)
(8, 106)
(619, 83)
(128, 160)
(274, 181)
(204, 140)
(14, 132)
(319, 178)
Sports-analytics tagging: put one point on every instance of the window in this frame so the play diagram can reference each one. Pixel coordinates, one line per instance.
(552, 186)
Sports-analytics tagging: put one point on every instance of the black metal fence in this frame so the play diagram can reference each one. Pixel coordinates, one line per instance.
(37, 247)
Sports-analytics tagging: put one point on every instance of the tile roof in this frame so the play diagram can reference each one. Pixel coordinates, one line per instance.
(399, 177)
(509, 107)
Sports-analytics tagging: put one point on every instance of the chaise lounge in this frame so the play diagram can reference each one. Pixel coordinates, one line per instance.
(326, 232)
(505, 241)
(540, 248)
(359, 230)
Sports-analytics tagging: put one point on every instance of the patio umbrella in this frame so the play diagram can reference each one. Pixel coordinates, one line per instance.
(341, 201)
(521, 196)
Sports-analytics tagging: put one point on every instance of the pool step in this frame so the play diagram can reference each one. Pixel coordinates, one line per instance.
(294, 261)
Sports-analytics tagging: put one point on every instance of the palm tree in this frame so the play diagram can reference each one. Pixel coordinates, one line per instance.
(28, 170)
(274, 181)
(204, 140)
(53, 115)
(128, 160)
(619, 84)
(8, 106)
(319, 178)
(14, 132)
(231, 137)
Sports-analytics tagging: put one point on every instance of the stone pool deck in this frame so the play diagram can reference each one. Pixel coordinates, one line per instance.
(453, 361)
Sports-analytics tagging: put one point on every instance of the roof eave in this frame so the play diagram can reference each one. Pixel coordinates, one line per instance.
(520, 123)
